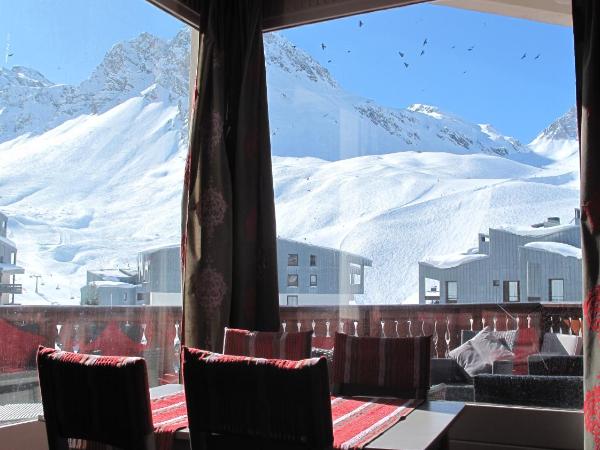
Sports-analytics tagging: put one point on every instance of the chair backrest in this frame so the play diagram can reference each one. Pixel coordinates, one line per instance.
(396, 367)
(262, 403)
(267, 344)
(102, 399)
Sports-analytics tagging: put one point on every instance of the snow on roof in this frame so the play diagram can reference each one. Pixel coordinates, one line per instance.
(113, 273)
(453, 260)
(556, 247)
(541, 231)
(160, 247)
(11, 268)
(112, 284)
(7, 242)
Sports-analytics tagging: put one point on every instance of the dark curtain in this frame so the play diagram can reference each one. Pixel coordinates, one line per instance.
(229, 254)
(586, 29)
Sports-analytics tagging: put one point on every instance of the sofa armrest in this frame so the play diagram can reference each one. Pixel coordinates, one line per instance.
(446, 370)
(556, 365)
(530, 390)
(502, 367)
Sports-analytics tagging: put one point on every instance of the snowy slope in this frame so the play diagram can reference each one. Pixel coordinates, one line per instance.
(92, 174)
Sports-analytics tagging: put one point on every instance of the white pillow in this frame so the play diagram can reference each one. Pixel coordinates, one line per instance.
(478, 354)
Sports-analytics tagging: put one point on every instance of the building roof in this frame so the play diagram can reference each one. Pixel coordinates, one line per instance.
(113, 273)
(11, 269)
(541, 231)
(453, 260)
(160, 247)
(116, 284)
(365, 261)
(558, 248)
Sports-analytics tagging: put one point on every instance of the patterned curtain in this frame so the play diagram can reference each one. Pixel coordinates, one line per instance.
(586, 29)
(229, 253)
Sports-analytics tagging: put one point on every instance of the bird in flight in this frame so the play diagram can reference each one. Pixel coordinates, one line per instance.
(453, 47)
(10, 54)
(401, 54)
(422, 52)
(360, 23)
(329, 60)
(348, 51)
(406, 65)
(464, 72)
(323, 46)
(524, 55)
(425, 42)
(537, 56)
(470, 49)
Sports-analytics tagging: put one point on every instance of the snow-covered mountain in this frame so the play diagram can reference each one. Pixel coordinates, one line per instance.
(303, 96)
(91, 174)
(558, 141)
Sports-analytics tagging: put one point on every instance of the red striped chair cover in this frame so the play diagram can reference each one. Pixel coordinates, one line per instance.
(267, 344)
(244, 402)
(527, 342)
(95, 399)
(396, 367)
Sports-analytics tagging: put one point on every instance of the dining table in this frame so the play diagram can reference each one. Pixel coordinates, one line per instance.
(426, 428)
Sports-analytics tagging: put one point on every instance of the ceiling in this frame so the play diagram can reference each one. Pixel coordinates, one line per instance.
(551, 11)
(280, 14)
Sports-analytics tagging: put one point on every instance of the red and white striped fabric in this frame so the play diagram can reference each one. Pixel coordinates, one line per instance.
(169, 414)
(356, 420)
(265, 344)
(359, 420)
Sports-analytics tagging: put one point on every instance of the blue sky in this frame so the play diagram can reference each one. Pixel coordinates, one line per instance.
(66, 39)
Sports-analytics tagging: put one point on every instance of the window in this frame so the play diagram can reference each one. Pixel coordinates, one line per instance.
(496, 283)
(451, 291)
(292, 280)
(292, 259)
(355, 279)
(313, 260)
(511, 291)
(313, 280)
(557, 293)
(292, 300)
(121, 91)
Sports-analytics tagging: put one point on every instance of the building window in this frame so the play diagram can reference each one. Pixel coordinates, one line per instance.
(293, 259)
(511, 291)
(313, 260)
(451, 292)
(13, 258)
(292, 280)
(496, 283)
(292, 300)
(557, 290)
(313, 280)
(355, 279)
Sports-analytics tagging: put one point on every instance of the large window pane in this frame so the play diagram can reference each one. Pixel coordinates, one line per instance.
(425, 158)
(93, 138)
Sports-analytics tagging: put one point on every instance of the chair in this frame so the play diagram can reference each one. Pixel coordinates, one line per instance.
(378, 366)
(102, 399)
(243, 402)
(267, 344)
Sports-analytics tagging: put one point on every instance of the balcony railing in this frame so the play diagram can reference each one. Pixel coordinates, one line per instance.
(153, 332)
(11, 288)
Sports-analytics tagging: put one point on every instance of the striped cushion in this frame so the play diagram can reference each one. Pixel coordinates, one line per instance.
(266, 344)
(95, 398)
(381, 366)
(244, 397)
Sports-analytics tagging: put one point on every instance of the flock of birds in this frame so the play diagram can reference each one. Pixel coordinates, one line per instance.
(423, 47)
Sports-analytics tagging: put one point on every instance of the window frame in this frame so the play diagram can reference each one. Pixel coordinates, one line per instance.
(448, 299)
